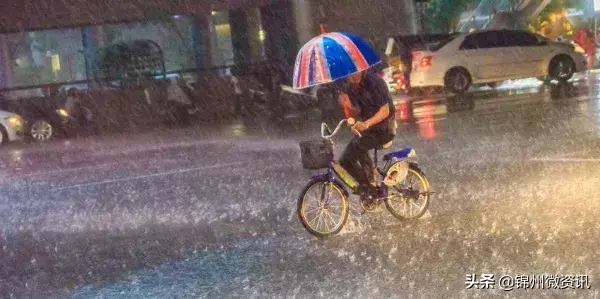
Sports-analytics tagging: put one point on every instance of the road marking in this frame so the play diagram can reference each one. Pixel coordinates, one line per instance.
(430, 120)
(65, 170)
(566, 160)
(147, 176)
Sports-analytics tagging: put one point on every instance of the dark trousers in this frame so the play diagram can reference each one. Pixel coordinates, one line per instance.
(356, 159)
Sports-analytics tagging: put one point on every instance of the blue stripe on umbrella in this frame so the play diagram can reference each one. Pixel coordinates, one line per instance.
(364, 48)
(340, 63)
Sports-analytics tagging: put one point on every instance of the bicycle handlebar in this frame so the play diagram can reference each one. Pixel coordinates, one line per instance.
(325, 128)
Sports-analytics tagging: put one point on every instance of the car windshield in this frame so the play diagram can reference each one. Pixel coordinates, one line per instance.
(435, 46)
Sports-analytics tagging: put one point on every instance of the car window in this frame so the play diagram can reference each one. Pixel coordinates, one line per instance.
(520, 39)
(482, 40)
(435, 46)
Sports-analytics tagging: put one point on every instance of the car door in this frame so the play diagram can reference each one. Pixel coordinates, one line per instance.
(527, 52)
(484, 55)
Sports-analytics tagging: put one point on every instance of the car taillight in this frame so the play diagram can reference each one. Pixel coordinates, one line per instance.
(425, 62)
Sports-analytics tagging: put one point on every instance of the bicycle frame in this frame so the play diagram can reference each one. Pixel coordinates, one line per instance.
(335, 170)
(332, 175)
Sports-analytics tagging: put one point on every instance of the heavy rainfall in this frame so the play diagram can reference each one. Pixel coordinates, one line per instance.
(167, 149)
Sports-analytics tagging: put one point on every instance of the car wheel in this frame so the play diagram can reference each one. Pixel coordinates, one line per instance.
(41, 130)
(457, 80)
(561, 68)
(3, 135)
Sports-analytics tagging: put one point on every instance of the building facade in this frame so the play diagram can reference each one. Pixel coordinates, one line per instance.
(56, 41)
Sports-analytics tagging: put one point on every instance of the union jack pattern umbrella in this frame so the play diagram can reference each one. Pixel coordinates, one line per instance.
(331, 56)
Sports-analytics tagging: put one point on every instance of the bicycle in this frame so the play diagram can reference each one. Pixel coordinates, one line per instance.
(332, 206)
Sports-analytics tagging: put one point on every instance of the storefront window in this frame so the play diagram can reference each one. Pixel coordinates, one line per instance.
(41, 57)
(258, 35)
(222, 46)
(68, 55)
(173, 36)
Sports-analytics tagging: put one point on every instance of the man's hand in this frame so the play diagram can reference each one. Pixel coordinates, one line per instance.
(360, 126)
(383, 112)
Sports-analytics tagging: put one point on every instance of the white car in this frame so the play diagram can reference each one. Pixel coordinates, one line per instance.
(487, 57)
(11, 127)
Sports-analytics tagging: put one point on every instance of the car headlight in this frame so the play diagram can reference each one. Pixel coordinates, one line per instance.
(15, 121)
(579, 49)
(62, 112)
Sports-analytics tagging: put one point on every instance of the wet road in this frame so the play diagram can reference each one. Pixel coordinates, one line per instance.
(209, 212)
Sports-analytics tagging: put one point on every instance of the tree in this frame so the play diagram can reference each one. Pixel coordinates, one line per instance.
(443, 15)
(551, 21)
(514, 17)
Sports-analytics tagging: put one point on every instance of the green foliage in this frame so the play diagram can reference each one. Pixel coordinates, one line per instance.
(543, 22)
(442, 15)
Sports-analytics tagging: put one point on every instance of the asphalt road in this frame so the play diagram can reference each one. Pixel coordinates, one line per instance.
(209, 212)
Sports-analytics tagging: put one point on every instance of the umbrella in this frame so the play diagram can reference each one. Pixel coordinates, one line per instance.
(331, 56)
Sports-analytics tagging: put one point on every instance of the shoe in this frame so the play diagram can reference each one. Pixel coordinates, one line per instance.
(362, 189)
(374, 190)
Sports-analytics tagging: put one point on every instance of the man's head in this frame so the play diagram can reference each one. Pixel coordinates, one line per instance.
(355, 79)
(342, 85)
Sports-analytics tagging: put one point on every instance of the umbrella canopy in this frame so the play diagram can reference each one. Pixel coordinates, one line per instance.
(331, 56)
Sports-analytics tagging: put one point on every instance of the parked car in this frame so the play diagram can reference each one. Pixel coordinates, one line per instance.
(487, 57)
(11, 127)
(44, 118)
(399, 58)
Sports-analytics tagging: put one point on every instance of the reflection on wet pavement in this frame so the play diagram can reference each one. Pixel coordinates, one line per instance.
(428, 110)
(211, 212)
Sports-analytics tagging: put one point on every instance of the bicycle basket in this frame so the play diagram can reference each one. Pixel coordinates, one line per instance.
(316, 154)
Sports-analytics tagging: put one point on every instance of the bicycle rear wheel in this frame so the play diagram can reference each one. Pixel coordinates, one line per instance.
(410, 199)
(323, 208)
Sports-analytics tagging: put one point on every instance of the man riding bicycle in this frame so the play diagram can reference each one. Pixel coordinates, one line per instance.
(365, 97)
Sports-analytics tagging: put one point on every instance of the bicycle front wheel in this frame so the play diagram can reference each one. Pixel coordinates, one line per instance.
(323, 208)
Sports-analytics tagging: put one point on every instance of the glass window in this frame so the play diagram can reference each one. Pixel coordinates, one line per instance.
(173, 36)
(469, 43)
(519, 38)
(435, 46)
(221, 42)
(41, 57)
(482, 40)
(258, 35)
